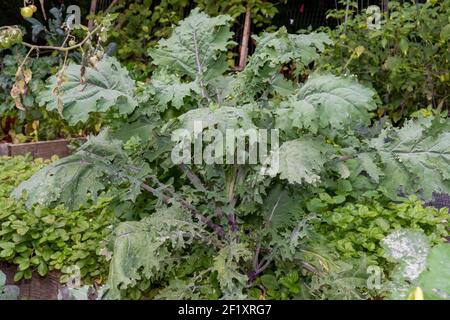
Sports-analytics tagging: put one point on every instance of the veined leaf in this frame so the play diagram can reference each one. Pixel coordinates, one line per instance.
(77, 178)
(327, 101)
(96, 91)
(415, 158)
(169, 90)
(300, 161)
(142, 248)
(278, 206)
(197, 47)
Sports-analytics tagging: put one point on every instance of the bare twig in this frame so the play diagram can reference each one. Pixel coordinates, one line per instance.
(43, 9)
(92, 11)
(62, 48)
(26, 58)
(245, 38)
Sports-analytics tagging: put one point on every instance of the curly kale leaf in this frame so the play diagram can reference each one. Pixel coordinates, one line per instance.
(197, 47)
(227, 265)
(414, 158)
(326, 101)
(168, 90)
(273, 51)
(76, 96)
(78, 178)
(300, 161)
(144, 249)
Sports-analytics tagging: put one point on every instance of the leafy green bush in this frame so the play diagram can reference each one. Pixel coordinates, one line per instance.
(241, 221)
(406, 60)
(44, 239)
(23, 76)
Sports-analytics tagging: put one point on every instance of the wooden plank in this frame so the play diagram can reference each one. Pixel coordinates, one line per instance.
(42, 149)
(37, 288)
(4, 149)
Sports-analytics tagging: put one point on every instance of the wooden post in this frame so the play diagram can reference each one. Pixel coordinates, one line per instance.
(43, 9)
(385, 5)
(245, 38)
(92, 10)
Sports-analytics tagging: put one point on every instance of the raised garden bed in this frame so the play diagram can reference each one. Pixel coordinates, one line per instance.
(36, 288)
(41, 149)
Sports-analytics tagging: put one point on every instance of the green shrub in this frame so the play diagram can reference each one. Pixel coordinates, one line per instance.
(244, 221)
(406, 61)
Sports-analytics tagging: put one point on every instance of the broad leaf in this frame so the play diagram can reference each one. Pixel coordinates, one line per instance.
(415, 158)
(142, 249)
(105, 87)
(197, 47)
(278, 207)
(76, 179)
(327, 101)
(434, 281)
(300, 161)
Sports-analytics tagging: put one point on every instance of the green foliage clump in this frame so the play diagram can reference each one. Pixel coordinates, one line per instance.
(43, 239)
(406, 60)
(241, 221)
(23, 77)
(356, 229)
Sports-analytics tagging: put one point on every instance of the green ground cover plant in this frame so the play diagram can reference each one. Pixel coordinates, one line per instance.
(42, 239)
